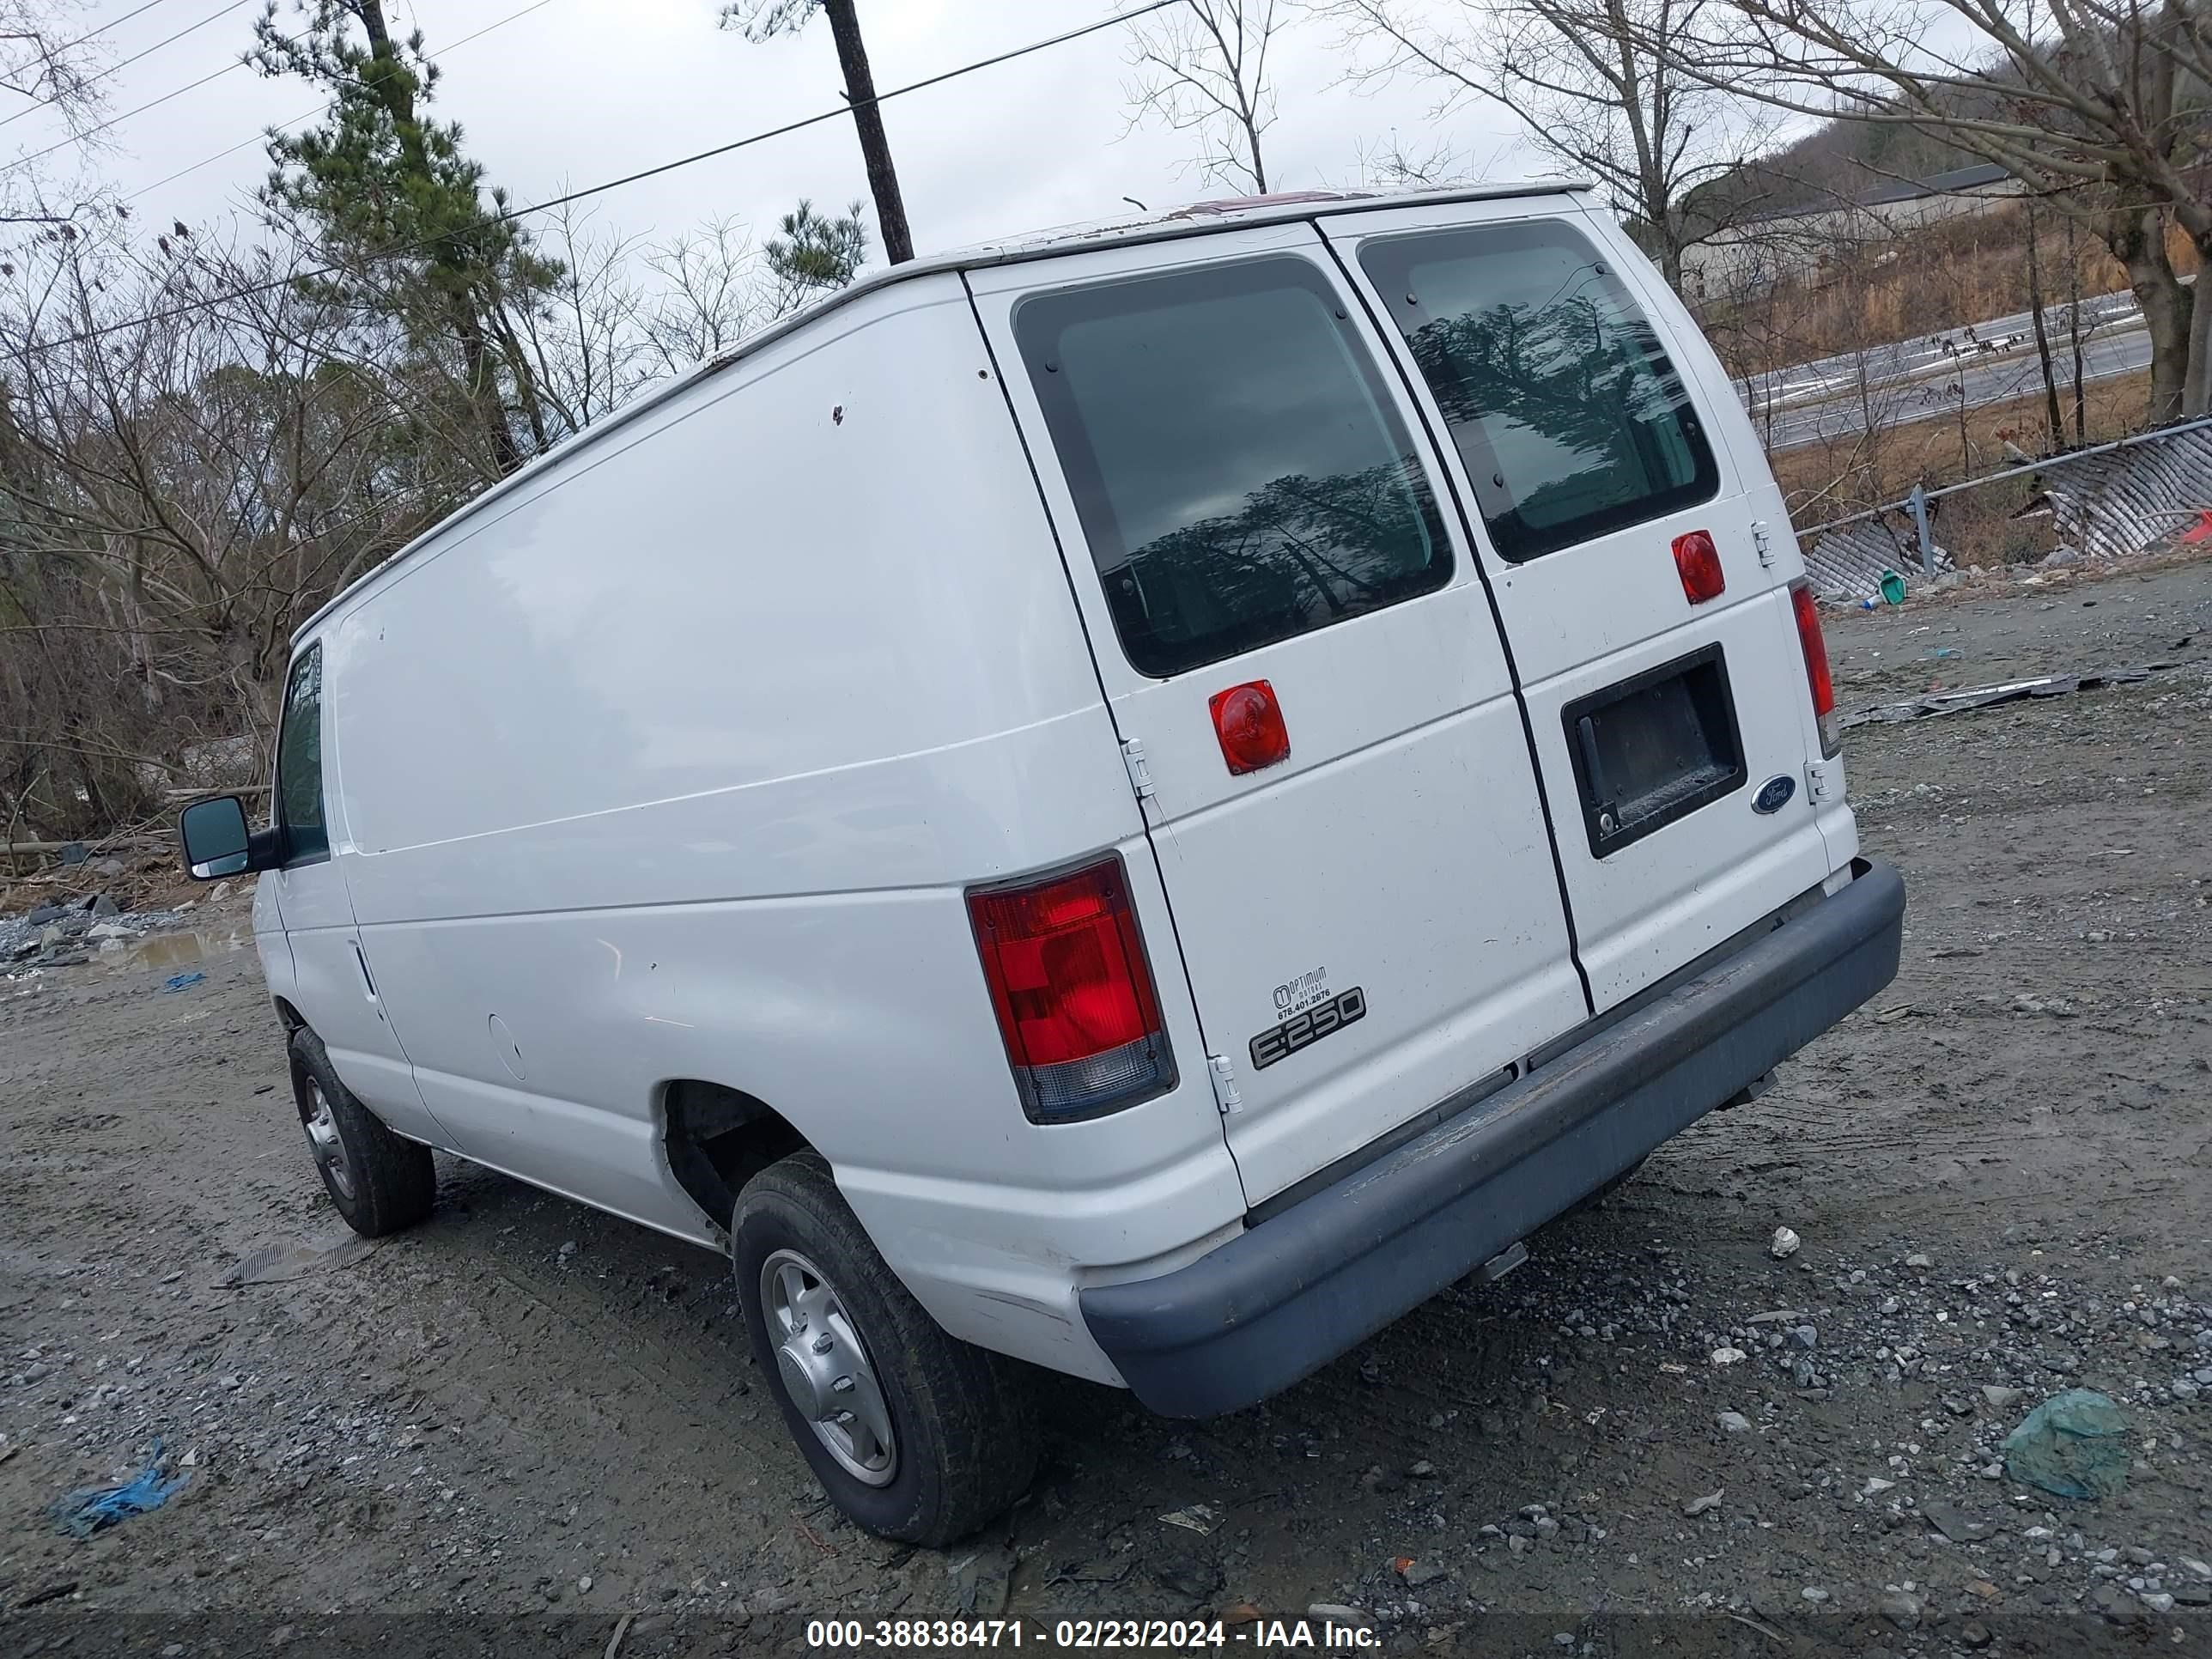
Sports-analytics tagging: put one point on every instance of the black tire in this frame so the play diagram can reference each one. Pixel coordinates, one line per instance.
(965, 1434)
(380, 1181)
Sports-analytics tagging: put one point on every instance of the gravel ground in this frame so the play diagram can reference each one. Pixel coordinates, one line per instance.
(529, 1428)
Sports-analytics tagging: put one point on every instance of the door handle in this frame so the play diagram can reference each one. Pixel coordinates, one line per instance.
(367, 983)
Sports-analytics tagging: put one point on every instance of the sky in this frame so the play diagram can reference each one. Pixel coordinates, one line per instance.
(578, 91)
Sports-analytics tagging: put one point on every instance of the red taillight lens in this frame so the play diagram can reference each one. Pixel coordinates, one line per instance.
(1700, 562)
(1068, 980)
(1817, 677)
(1249, 723)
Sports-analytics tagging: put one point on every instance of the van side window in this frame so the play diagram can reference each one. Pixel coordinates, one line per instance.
(1569, 418)
(300, 760)
(1240, 473)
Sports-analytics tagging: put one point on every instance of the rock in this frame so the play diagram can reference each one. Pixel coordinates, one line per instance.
(39, 914)
(2196, 1569)
(1805, 1336)
(2159, 1601)
(1876, 1485)
(1519, 1544)
(2116, 1605)
(102, 905)
(2192, 1595)
(1901, 1610)
(1974, 1634)
(1423, 1470)
(1783, 1245)
(110, 867)
(1918, 1260)
(2060, 558)
(1418, 1573)
(1814, 1595)
(1734, 1423)
(2000, 1398)
(107, 930)
(1729, 1356)
(1952, 1523)
(2137, 1556)
(222, 891)
(1699, 1505)
(584, 1585)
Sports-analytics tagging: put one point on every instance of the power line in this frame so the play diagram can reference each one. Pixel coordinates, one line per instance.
(320, 109)
(117, 68)
(512, 214)
(112, 23)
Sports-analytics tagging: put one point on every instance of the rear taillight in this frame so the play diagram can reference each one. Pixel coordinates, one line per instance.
(1817, 677)
(1698, 563)
(1067, 976)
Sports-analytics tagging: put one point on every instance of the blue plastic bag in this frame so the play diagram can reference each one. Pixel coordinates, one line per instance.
(2075, 1444)
(98, 1508)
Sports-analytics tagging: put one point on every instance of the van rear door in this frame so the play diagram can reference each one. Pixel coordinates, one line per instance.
(1292, 637)
(1641, 561)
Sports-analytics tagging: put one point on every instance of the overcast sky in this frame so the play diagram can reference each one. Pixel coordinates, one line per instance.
(578, 91)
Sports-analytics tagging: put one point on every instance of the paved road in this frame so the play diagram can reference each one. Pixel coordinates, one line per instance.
(1921, 379)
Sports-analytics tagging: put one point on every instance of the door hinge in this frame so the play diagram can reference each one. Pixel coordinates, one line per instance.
(1765, 543)
(1224, 1085)
(1821, 779)
(1140, 775)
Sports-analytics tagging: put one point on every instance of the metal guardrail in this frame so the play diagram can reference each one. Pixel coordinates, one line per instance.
(2108, 501)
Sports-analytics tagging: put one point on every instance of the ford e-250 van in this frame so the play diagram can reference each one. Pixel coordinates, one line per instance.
(1138, 803)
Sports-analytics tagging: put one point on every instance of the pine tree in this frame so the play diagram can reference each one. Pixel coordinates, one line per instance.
(401, 211)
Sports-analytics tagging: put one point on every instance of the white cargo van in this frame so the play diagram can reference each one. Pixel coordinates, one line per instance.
(1138, 803)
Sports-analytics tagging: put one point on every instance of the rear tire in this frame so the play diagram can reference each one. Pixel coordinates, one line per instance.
(916, 1436)
(379, 1182)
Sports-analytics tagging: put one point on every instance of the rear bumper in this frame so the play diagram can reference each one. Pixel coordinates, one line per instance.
(1250, 1318)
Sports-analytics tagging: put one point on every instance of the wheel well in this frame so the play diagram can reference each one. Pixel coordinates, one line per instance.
(290, 1017)
(717, 1138)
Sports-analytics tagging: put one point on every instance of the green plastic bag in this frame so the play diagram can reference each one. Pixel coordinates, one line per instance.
(2075, 1444)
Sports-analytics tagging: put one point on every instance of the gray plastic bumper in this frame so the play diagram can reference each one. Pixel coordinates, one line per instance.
(1248, 1319)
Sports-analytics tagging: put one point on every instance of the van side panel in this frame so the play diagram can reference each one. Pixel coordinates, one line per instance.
(678, 765)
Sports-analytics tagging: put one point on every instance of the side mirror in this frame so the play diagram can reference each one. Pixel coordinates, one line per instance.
(217, 843)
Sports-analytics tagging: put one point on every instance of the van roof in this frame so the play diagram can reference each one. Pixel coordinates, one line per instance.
(1194, 219)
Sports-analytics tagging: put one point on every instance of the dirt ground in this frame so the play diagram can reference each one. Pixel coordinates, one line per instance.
(529, 1428)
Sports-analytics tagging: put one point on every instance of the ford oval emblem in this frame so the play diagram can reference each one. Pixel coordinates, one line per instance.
(1774, 794)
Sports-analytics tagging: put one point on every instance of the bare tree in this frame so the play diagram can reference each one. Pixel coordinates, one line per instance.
(761, 20)
(2096, 106)
(1589, 81)
(49, 61)
(1201, 68)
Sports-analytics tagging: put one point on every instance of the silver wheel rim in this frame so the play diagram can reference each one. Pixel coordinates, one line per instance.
(323, 1138)
(825, 1368)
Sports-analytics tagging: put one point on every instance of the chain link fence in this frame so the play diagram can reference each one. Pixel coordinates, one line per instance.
(2104, 502)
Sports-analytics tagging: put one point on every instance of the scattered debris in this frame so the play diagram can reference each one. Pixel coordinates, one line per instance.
(1784, 1244)
(1983, 697)
(95, 1508)
(1729, 1356)
(1198, 1519)
(182, 982)
(1698, 1505)
(2072, 1445)
(277, 1264)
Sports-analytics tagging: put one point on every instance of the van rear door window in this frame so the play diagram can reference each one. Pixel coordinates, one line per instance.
(1569, 416)
(1239, 471)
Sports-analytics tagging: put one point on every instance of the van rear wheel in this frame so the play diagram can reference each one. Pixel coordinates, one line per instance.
(914, 1434)
(380, 1181)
